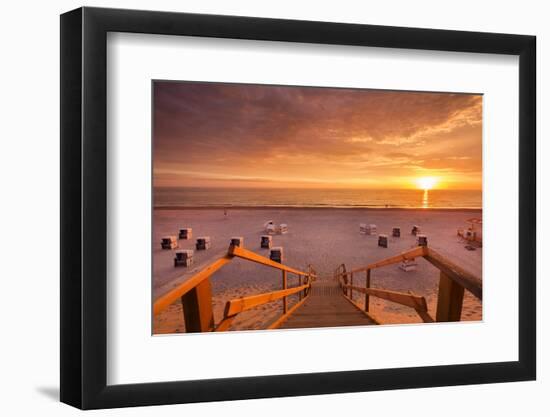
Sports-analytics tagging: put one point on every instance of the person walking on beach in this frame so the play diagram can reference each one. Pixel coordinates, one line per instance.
(224, 213)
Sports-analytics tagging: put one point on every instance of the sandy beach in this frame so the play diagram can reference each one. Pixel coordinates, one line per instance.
(323, 237)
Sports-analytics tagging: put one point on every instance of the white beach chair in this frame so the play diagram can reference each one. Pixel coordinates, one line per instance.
(371, 229)
(283, 228)
(408, 265)
(363, 228)
(270, 229)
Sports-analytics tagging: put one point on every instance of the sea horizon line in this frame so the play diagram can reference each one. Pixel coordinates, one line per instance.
(316, 207)
(315, 188)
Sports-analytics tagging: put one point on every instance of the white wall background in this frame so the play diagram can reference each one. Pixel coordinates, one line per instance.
(29, 177)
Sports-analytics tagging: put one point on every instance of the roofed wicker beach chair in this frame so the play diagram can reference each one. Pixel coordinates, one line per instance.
(383, 241)
(422, 240)
(276, 254)
(474, 231)
(203, 243)
(184, 257)
(186, 233)
(169, 242)
(237, 241)
(266, 241)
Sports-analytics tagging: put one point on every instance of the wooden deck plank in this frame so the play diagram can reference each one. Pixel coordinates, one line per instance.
(325, 307)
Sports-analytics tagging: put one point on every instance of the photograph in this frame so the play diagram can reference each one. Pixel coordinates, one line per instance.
(294, 207)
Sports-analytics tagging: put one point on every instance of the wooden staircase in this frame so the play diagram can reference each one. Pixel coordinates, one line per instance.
(326, 307)
(320, 301)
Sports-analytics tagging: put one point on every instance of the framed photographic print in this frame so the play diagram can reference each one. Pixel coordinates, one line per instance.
(258, 207)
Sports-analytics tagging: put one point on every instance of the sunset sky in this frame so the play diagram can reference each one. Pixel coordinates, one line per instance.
(236, 135)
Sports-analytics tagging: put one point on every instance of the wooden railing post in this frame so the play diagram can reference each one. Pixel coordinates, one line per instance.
(351, 289)
(197, 308)
(285, 304)
(346, 282)
(195, 293)
(449, 299)
(367, 285)
(345, 278)
(299, 285)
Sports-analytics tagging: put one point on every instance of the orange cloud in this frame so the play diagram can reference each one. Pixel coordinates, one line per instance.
(212, 134)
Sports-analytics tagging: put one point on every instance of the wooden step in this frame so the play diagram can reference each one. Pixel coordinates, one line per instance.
(326, 307)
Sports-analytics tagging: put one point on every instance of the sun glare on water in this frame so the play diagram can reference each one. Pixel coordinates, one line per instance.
(426, 183)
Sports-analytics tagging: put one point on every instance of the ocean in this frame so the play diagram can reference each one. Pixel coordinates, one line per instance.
(345, 198)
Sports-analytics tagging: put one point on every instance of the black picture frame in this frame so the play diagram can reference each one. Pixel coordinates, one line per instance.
(84, 207)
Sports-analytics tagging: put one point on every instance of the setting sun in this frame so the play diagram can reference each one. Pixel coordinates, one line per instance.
(426, 183)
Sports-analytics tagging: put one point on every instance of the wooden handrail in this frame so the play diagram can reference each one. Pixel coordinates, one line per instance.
(453, 281)
(238, 305)
(340, 267)
(196, 294)
(462, 277)
(410, 254)
(164, 301)
(416, 302)
(406, 299)
(456, 273)
(254, 257)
